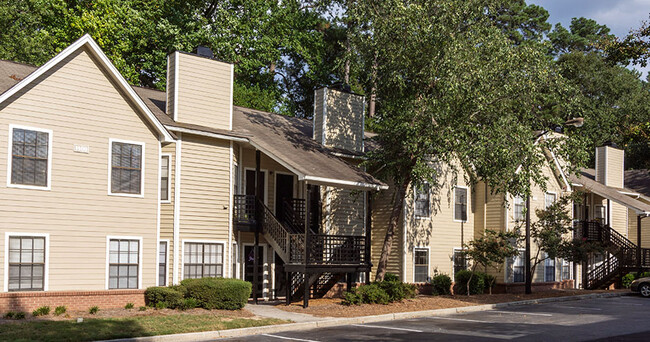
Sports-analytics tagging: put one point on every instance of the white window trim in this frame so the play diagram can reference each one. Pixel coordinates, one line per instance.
(597, 209)
(564, 262)
(505, 274)
(550, 193)
(10, 158)
(140, 248)
(266, 287)
(110, 167)
(235, 248)
(266, 182)
(169, 176)
(466, 202)
(46, 272)
(514, 205)
(183, 241)
(428, 261)
(415, 197)
(166, 241)
(453, 259)
(554, 269)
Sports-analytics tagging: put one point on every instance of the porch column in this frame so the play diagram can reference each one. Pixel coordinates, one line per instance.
(307, 283)
(638, 242)
(368, 255)
(258, 223)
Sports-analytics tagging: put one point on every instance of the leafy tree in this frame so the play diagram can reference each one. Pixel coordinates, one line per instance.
(490, 251)
(453, 88)
(521, 21)
(583, 35)
(635, 47)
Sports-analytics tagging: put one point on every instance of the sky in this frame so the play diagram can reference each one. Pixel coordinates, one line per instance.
(619, 15)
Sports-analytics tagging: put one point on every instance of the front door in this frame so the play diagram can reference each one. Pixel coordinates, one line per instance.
(248, 267)
(250, 183)
(283, 191)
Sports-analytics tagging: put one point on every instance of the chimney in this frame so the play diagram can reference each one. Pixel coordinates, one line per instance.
(199, 89)
(610, 165)
(339, 118)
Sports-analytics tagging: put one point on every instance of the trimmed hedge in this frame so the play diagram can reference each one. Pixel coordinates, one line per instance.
(476, 286)
(441, 284)
(379, 292)
(218, 293)
(163, 297)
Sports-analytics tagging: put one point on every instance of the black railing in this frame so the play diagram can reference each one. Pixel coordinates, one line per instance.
(272, 227)
(326, 249)
(244, 209)
(293, 214)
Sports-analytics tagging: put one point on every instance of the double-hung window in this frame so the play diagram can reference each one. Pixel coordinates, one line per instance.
(162, 263)
(549, 269)
(519, 208)
(515, 265)
(202, 260)
(566, 269)
(421, 265)
(599, 213)
(164, 178)
(26, 263)
(30, 157)
(422, 201)
(460, 261)
(549, 199)
(460, 204)
(126, 168)
(123, 263)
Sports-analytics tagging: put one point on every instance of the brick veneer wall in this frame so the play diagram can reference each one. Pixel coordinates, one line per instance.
(520, 287)
(72, 300)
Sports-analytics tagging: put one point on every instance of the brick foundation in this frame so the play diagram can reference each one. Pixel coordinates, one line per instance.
(521, 287)
(72, 300)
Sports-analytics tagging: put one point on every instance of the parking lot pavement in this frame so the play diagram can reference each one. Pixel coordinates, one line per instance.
(624, 318)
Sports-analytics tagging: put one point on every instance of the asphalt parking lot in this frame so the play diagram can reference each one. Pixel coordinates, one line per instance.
(624, 318)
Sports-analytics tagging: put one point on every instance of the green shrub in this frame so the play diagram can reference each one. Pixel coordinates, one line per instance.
(93, 310)
(366, 294)
(9, 315)
(129, 306)
(627, 280)
(643, 275)
(161, 305)
(20, 315)
(488, 280)
(218, 293)
(391, 277)
(476, 286)
(441, 284)
(171, 296)
(189, 303)
(143, 308)
(42, 311)
(396, 290)
(60, 310)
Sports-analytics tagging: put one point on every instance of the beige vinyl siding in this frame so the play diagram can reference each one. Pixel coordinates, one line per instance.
(610, 166)
(381, 210)
(619, 218)
(632, 229)
(81, 106)
(601, 165)
(171, 83)
(167, 210)
(343, 214)
(344, 120)
(204, 91)
(318, 114)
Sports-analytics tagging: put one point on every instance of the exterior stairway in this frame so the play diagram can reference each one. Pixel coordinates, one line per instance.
(622, 255)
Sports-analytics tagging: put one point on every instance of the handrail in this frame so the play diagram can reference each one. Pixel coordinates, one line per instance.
(275, 229)
(244, 209)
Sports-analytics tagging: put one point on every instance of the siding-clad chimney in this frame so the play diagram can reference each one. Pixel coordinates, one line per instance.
(199, 89)
(610, 165)
(339, 119)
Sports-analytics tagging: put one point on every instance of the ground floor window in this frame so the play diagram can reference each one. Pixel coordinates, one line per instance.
(26, 263)
(566, 270)
(421, 265)
(460, 261)
(124, 261)
(549, 269)
(515, 266)
(202, 260)
(162, 264)
(234, 261)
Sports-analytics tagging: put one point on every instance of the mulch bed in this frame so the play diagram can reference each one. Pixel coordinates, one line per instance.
(333, 307)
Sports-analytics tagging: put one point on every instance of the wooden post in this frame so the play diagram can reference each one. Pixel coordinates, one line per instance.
(288, 287)
(638, 242)
(258, 227)
(307, 286)
(368, 255)
(348, 284)
(529, 276)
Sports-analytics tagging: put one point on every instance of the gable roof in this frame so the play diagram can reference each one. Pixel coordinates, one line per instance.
(638, 180)
(587, 179)
(21, 82)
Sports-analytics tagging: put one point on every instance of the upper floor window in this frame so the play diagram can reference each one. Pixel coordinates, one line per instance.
(30, 157)
(460, 204)
(164, 178)
(549, 199)
(520, 208)
(422, 201)
(599, 213)
(126, 168)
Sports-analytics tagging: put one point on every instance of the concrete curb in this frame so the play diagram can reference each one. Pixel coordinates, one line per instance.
(330, 322)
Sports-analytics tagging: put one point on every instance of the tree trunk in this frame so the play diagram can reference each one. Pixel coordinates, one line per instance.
(398, 204)
(373, 89)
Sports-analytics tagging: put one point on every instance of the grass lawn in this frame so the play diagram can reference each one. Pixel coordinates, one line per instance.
(110, 328)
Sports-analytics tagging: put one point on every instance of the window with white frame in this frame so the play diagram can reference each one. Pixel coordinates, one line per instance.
(515, 266)
(460, 204)
(26, 263)
(519, 208)
(566, 270)
(599, 213)
(549, 269)
(164, 178)
(422, 200)
(234, 261)
(460, 261)
(202, 260)
(549, 199)
(124, 262)
(421, 265)
(126, 168)
(30, 157)
(162, 264)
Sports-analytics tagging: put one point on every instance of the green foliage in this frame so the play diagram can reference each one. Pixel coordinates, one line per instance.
(218, 293)
(42, 311)
(129, 306)
(396, 290)
(627, 280)
(475, 280)
(489, 281)
(161, 305)
(20, 315)
(366, 294)
(522, 22)
(391, 277)
(60, 310)
(93, 310)
(583, 35)
(189, 303)
(634, 47)
(441, 284)
(9, 315)
(171, 296)
(142, 308)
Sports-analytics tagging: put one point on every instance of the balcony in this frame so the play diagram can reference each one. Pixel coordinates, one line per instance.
(244, 213)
